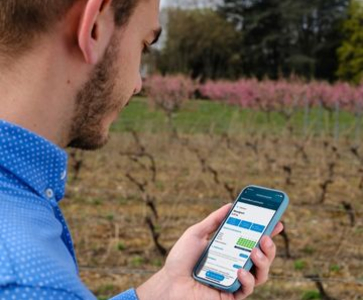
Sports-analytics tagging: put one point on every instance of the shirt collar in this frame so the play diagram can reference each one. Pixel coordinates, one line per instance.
(34, 160)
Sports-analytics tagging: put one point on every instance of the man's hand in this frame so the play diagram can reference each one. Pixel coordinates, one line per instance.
(175, 281)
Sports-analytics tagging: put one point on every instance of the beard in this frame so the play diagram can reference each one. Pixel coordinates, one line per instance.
(94, 101)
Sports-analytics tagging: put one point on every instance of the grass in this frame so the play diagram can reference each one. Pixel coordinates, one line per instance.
(137, 261)
(121, 246)
(311, 295)
(199, 116)
(299, 265)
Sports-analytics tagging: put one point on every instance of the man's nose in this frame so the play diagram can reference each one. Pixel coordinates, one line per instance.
(138, 85)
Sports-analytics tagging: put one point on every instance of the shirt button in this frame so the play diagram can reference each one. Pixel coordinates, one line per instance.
(64, 175)
(49, 193)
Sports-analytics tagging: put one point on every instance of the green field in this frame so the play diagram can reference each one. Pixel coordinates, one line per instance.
(198, 116)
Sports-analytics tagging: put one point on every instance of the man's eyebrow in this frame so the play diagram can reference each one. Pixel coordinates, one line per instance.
(157, 34)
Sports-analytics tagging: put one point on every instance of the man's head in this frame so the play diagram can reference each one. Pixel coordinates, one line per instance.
(102, 42)
(22, 20)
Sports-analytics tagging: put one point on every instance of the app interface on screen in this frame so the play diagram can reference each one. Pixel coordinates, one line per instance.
(240, 233)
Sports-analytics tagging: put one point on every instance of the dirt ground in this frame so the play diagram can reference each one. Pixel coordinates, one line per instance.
(128, 203)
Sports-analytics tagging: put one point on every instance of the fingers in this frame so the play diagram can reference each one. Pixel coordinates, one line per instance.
(278, 229)
(263, 259)
(212, 222)
(268, 247)
(247, 282)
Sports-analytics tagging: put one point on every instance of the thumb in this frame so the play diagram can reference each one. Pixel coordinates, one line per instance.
(212, 222)
(190, 246)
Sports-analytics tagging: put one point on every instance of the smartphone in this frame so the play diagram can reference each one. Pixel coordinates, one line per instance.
(255, 213)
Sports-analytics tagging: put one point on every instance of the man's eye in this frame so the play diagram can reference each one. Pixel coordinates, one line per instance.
(146, 49)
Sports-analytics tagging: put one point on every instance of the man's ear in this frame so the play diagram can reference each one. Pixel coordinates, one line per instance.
(95, 29)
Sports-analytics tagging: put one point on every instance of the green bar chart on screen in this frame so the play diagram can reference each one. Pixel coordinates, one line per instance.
(246, 243)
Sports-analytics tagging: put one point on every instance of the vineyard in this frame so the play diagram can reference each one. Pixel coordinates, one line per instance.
(171, 162)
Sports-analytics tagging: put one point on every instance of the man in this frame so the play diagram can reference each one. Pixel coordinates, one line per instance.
(68, 67)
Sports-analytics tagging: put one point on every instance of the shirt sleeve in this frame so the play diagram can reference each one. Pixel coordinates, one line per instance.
(128, 295)
(34, 293)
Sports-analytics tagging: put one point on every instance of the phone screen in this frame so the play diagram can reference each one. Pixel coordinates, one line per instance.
(241, 232)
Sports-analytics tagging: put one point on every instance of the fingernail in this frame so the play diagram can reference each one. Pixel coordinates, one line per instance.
(259, 254)
(268, 243)
(243, 272)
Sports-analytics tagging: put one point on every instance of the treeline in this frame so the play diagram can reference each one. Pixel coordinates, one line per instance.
(315, 39)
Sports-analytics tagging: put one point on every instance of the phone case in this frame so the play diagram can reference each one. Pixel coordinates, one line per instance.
(236, 286)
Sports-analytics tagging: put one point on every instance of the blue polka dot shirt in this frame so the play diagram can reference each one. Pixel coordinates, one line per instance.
(37, 259)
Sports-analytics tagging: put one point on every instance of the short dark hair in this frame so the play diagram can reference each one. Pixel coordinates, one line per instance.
(22, 20)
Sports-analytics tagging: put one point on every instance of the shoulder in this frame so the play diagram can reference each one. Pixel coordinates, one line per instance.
(22, 207)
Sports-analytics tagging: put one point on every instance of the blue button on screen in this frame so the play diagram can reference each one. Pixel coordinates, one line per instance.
(245, 224)
(257, 228)
(214, 276)
(233, 221)
(237, 267)
(243, 255)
